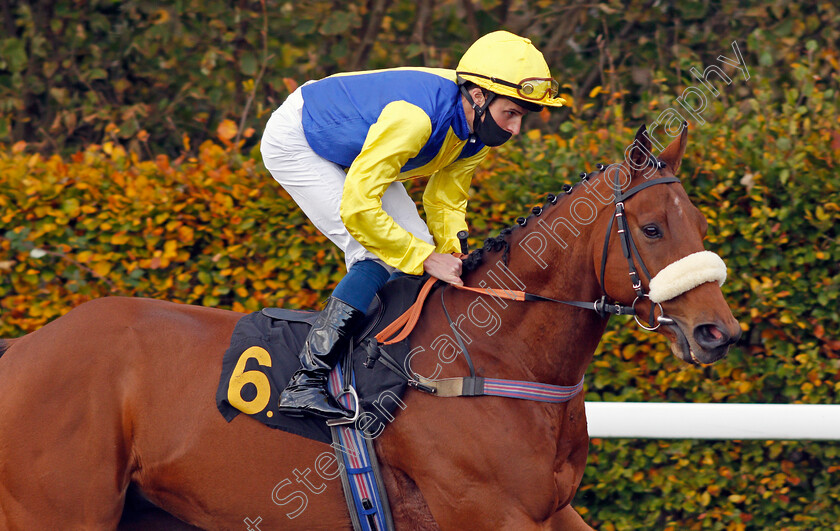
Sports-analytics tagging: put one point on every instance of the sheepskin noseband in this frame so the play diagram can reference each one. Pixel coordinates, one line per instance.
(685, 274)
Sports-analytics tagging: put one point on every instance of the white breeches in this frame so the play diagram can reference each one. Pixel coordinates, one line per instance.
(316, 184)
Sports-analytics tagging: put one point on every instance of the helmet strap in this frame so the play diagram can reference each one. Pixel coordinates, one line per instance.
(478, 109)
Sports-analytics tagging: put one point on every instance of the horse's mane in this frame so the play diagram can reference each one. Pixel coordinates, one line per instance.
(4, 346)
(501, 242)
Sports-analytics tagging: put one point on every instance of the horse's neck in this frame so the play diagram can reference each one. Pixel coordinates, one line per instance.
(544, 341)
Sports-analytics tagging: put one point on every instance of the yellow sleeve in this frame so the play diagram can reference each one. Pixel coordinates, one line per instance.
(445, 201)
(399, 134)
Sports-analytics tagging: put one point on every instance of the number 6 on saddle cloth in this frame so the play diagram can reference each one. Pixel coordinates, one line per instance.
(263, 355)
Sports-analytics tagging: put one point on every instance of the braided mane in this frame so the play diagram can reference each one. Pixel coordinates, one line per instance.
(501, 242)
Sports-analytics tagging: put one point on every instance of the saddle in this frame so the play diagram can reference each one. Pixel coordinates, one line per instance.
(263, 355)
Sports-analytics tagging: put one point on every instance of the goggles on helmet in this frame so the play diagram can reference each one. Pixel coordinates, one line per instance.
(532, 88)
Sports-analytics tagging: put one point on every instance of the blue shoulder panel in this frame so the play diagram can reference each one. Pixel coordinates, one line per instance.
(339, 110)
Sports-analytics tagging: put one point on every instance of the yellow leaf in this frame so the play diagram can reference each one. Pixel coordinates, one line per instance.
(162, 16)
(185, 234)
(102, 268)
(821, 215)
(226, 130)
(170, 249)
(595, 91)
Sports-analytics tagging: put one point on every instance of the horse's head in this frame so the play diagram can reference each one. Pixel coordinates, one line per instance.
(664, 241)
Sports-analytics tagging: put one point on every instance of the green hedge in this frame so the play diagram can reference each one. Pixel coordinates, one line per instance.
(147, 73)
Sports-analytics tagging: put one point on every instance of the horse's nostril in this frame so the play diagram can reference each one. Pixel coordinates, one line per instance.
(710, 336)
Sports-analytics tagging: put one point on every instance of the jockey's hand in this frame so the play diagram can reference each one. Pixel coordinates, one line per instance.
(444, 267)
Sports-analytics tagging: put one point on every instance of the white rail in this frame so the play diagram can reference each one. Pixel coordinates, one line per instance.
(646, 420)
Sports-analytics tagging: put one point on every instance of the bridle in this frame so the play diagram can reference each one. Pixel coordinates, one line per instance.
(628, 246)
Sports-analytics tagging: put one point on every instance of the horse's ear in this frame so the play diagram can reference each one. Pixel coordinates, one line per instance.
(673, 154)
(638, 158)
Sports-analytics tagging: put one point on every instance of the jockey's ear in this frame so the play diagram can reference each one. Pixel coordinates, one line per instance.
(477, 96)
(673, 154)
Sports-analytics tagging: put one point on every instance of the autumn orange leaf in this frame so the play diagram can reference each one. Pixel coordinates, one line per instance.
(226, 130)
(291, 84)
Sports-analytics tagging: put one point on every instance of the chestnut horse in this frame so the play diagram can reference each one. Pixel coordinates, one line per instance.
(118, 394)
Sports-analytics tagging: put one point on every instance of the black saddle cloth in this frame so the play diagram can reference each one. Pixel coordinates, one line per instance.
(280, 333)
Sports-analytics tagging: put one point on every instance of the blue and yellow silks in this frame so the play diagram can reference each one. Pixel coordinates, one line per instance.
(395, 125)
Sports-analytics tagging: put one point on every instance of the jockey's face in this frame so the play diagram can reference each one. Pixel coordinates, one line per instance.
(507, 114)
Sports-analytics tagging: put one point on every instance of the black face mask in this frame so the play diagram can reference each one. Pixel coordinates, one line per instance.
(487, 130)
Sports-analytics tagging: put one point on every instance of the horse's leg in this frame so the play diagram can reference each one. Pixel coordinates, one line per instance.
(139, 514)
(476, 472)
(63, 453)
(408, 507)
(412, 513)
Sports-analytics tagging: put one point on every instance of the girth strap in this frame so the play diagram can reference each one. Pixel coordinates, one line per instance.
(473, 385)
(479, 386)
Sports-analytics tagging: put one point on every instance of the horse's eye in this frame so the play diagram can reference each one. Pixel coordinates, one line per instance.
(652, 231)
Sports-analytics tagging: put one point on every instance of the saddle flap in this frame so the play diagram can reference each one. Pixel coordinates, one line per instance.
(372, 316)
(295, 316)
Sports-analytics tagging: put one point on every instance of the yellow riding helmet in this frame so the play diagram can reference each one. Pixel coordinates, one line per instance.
(510, 66)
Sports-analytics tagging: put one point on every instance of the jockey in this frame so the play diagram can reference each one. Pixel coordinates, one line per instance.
(341, 146)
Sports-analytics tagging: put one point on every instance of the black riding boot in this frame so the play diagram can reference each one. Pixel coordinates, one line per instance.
(326, 343)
